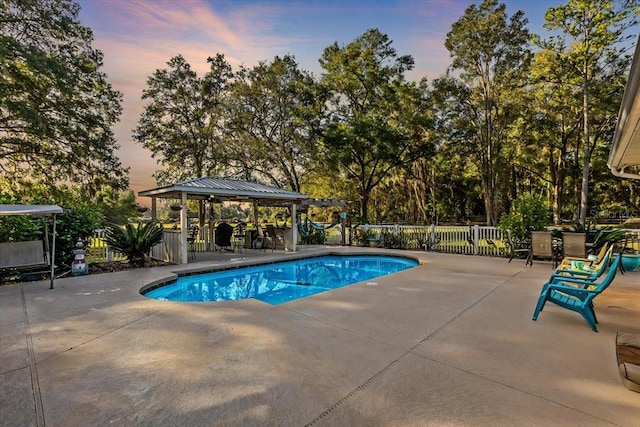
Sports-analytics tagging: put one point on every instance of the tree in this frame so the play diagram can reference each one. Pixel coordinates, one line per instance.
(274, 115)
(56, 106)
(550, 134)
(490, 56)
(377, 121)
(596, 29)
(182, 123)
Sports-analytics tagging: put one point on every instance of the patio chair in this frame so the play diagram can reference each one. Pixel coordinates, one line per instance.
(542, 247)
(224, 232)
(590, 260)
(191, 240)
(590, 270)
(576, 294)
(518, 246)
(262, 240)
(277, 237)
(239, 236)
(574, 245)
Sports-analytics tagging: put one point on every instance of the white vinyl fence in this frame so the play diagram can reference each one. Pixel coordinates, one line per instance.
(473, 240)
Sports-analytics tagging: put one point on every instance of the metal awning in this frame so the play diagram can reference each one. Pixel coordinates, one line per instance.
(226, 190)
(624, 158)
(6, 210)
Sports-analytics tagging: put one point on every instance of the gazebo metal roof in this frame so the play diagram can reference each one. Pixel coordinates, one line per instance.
(225, 189)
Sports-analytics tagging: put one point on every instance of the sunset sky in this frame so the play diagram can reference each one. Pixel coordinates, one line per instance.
(138, 37)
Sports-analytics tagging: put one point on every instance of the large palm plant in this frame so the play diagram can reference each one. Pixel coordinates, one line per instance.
(134, 241)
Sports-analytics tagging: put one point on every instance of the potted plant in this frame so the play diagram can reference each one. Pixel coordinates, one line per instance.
(373, 237)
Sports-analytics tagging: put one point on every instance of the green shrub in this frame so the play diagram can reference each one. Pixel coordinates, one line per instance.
(74, 224)
(612, 236)
(528, 213)
(390, 240)
(134, 242)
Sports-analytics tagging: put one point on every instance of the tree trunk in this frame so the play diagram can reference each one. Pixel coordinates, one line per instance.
(584, 193)
(364, 202)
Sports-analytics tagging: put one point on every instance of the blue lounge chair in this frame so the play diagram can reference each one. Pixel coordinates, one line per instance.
(577, 294)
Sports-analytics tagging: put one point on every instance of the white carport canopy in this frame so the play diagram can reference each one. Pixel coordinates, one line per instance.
(226, 190)
(37, 210)
(624, 158)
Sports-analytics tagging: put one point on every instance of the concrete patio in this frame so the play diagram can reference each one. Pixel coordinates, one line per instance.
(450, 342)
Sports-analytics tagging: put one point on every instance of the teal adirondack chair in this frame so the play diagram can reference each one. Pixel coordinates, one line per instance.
(598, 269)
(577, 294)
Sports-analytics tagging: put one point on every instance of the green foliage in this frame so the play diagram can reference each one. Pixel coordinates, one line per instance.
(18, 228)
(75, 223)
(56, 106)
(315, 237)
(590, 43)
(181, 121)
(491, 56)
(605, 235)
(528, 213)
(134, 242)
(117, 207)
(390, 240)
(378, 122)
(364, 234)
(274, 115)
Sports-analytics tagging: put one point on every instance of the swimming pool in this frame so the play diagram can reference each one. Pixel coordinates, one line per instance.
(280, 282)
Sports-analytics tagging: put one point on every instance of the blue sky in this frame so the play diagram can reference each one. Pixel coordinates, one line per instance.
(137, 37)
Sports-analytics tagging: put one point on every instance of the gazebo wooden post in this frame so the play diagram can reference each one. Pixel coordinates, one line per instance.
(294, 228)
(154, 209)
(184, 256)
(255, 213)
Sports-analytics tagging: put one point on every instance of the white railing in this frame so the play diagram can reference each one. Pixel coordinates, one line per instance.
(476, 240)
(98, 249)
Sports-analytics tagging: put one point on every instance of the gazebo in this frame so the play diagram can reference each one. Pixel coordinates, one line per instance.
(210, 189)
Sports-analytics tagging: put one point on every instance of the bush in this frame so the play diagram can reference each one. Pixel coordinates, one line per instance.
(74, 224)
(528, 213)
(134, 242)
(391, 240)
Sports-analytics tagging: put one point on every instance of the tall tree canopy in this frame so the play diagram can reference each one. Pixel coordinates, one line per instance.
(593, 60)
(182, 125)
(377, 121)
(274, 115)
(56, 106)
(490, 54)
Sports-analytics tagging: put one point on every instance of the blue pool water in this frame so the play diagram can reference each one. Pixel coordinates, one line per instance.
(281, 282)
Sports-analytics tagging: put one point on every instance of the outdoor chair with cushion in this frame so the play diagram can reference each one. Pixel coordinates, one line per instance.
(576, 294)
